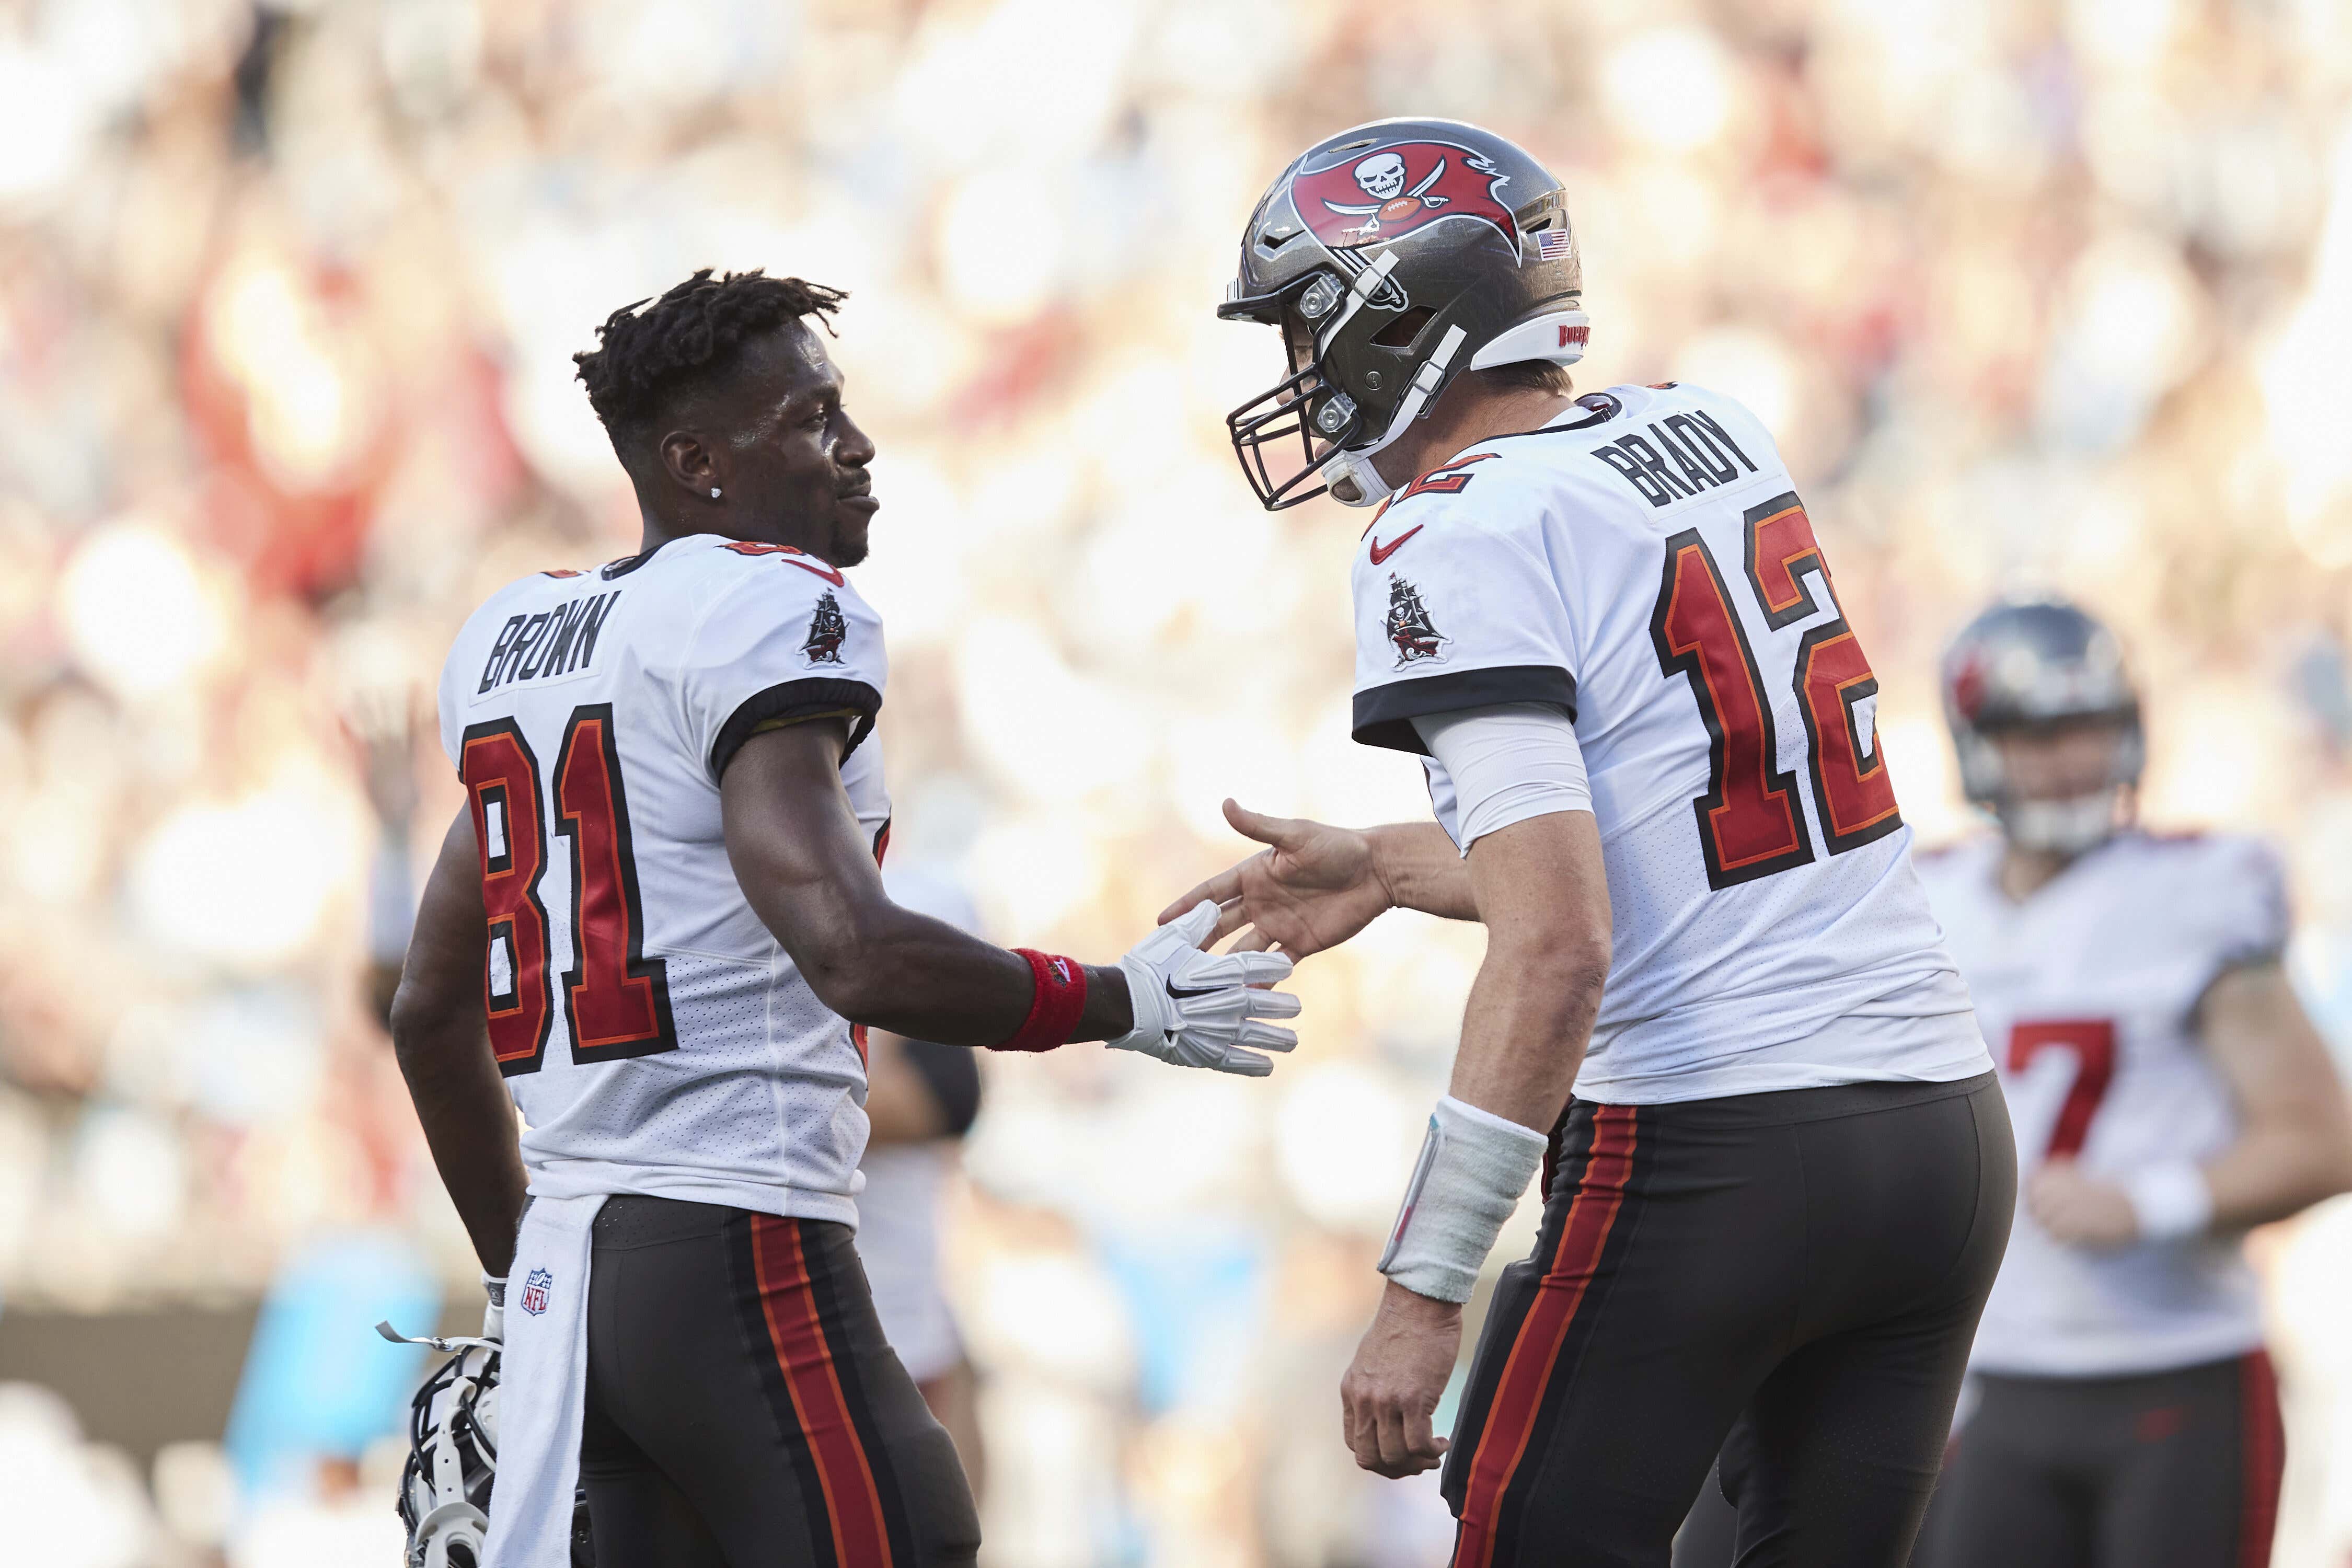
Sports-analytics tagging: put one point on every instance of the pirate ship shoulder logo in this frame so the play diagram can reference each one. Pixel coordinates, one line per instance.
(1410, 628)
(828, 630)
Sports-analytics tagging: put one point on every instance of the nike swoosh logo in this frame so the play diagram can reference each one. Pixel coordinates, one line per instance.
(1182, 992)
(829, 574)
(1383, 551)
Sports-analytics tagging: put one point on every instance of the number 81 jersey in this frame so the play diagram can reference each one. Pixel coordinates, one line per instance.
(1643, 565)
(653, 1033)
(2089, 991)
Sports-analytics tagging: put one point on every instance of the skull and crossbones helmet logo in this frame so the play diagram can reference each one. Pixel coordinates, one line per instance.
(1381, 175)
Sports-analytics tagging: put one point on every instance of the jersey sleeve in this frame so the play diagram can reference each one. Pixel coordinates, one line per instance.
(1443, 804)
(2247, 914)
(787, 640)
(1455, 610)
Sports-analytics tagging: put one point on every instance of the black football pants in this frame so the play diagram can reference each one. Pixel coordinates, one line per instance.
(2169, 1470)
(1792, 1278)
(744, 1409)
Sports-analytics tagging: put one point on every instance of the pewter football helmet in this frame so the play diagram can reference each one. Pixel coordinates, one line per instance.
(1393, 256)
(2038, 663)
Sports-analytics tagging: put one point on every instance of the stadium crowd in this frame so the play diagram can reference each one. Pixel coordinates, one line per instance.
(2035, 291)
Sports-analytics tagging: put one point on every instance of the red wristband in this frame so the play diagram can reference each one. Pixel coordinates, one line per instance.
(1054, 1007)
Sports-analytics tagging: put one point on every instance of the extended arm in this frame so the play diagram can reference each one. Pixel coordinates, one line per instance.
(1541, 891)
(802, 862)
(2294, 1143)
(1544, 899)
(2294, 1146)
(442, 1041)
(1314, 886)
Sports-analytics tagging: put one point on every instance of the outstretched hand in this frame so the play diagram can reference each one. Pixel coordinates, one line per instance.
(1199, 1009)
(1313, 887)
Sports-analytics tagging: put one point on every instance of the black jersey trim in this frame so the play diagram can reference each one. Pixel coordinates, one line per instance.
(796, 699)
(1597, 416)
(628, 564)
(1384, 715)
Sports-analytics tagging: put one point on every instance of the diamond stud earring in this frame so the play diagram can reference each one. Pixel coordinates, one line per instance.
(714, 492)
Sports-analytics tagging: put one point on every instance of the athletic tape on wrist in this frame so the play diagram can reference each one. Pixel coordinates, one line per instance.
(1054, 1007)
(2171, 1201)
(1472, 1168)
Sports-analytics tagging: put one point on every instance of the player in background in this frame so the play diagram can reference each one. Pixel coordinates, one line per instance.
(920, 1101)
(1780, 1191)
(2168, 1092)
(658, 928)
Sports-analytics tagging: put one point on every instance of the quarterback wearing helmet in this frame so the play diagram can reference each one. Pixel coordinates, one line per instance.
(1776, 1196)
(2168, 1092)
(1481, 232)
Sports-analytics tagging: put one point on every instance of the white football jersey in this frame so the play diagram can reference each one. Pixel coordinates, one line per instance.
(2089, 990)
(655, 1036)
(1645, 565)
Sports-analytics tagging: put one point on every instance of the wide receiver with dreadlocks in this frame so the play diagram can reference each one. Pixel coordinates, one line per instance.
(658, 928)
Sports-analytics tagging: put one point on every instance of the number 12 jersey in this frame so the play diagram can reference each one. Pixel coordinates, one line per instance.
(1644, 564)
(655, 1036)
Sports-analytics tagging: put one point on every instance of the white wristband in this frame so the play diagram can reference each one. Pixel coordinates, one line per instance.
(1473, 1166)
(2171, 1201)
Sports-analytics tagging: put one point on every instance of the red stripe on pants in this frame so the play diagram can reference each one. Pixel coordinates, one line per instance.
(851, 1499)
(1535, 1349)
(2263, 1442)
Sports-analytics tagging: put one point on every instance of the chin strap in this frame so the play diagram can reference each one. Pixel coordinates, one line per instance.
(1353, 468)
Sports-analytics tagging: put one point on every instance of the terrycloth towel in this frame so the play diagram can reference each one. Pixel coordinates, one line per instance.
(542, 1387)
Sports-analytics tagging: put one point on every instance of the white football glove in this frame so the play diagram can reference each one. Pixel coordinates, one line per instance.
(1196, 1009)
(494, 1316)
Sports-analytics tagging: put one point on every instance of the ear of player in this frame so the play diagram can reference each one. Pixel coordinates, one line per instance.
(1199, 1009)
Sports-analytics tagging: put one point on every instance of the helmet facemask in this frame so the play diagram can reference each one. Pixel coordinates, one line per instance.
(1312, 405)
(2067, 824)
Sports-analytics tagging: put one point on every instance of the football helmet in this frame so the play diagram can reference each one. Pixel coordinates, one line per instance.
(1393, 256)
(453, 1453)
(2038, 664)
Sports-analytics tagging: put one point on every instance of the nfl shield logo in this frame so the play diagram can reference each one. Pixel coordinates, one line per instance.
(534, 1292)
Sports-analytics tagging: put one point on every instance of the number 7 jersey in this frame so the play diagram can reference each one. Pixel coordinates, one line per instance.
(653, 1033)
(1645, 565)
(2089, 989)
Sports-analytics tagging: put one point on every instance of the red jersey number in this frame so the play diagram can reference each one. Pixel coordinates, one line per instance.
(2091, 1043)
(615, 999)
(1750, 823)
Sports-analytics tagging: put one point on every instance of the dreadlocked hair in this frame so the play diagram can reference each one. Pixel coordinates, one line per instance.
(645, 357)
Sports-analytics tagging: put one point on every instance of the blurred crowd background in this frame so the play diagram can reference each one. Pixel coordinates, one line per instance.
(2037, 292)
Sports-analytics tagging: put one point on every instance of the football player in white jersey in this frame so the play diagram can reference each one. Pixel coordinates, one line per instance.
(659, 923)
(1778, 1193)
(2168, 1092)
